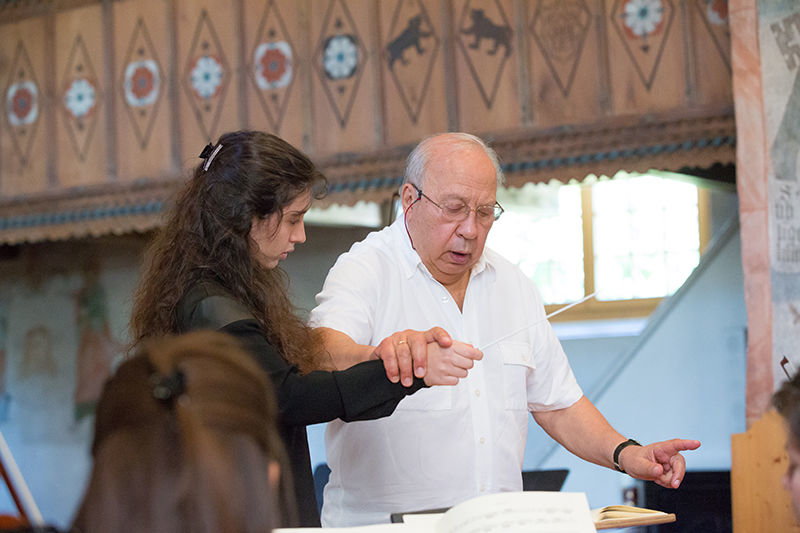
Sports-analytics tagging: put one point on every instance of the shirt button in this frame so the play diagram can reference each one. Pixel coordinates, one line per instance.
(477, 392)
(483, 489)
(482, 440)
(445, 298)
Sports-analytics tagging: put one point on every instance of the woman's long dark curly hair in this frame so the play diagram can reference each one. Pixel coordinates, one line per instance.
(206, 236)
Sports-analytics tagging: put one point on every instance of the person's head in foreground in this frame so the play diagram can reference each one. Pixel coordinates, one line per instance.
(185, 440)
(787, 401)
(449, 198)
(239, 215)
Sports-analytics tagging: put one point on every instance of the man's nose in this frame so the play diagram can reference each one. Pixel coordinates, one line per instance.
(468, 228)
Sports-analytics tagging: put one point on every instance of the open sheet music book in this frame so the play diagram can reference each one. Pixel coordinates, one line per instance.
(625, 516)
(512, 512)
(531, 512)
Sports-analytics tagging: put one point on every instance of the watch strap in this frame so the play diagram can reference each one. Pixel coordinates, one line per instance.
(621, 446)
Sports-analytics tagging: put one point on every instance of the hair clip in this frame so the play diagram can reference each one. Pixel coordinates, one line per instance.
(167, 388)
(209, 153)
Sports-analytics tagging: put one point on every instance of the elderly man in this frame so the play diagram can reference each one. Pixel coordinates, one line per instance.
(428, 279)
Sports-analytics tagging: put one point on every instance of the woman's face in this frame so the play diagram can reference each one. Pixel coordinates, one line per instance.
(276, 235)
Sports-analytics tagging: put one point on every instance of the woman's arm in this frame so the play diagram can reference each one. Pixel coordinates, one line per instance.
(361, 392)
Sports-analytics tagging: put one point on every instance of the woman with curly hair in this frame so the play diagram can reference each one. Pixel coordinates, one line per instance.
(214, 265)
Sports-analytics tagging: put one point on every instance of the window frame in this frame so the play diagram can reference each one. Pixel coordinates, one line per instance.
(593, 309)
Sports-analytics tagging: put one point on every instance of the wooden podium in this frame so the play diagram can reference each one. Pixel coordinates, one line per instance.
(758, 462)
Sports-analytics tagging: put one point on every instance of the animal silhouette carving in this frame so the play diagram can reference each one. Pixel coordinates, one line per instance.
(483, 28)
(412, 35)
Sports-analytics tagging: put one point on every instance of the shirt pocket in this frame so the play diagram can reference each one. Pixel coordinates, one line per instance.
(437, 398)
(517, 364)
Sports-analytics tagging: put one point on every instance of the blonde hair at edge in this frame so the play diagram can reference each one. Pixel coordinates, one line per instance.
(185, 435)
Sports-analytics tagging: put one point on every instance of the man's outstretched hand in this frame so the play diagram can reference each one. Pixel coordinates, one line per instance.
(660, 462)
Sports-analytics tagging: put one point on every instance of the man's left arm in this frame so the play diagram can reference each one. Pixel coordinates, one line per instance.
(585, 432)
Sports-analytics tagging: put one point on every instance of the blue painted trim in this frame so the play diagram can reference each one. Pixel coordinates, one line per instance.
(611, 155)
(81, 215)
(381, 182)
(387, 182)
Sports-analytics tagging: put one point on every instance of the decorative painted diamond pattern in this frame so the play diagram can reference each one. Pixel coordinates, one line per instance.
(411, 53)
(141, 83)
(273, 67)
(715, 17)
(559, 28)
(340, 59)
(485, 37)
(643, 26)
(22, 104)
(207, 75)
(81, 97)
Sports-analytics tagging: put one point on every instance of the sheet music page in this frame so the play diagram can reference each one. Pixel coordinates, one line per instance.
(529, 512)
(423, 522)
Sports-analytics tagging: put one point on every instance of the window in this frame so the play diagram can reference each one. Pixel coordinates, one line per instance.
(632, 240)
(367, 214)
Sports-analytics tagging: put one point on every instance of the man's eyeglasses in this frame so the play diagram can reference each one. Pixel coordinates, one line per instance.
(456, 211)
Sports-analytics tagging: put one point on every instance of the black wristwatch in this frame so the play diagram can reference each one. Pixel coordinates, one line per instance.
(618, 449)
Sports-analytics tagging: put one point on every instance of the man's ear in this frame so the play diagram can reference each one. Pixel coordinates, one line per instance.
(408, 195)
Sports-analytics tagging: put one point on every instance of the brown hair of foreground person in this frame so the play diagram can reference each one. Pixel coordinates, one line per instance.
(185, 440)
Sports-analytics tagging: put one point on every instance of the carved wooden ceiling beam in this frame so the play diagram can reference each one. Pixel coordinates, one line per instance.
(668, 142)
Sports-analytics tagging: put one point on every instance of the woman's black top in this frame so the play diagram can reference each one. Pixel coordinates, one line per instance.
(362, 392)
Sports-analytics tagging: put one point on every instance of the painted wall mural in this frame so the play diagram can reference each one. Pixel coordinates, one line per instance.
(37, 371)
(37, 357)
(81, 96)
(207, 76)
(714, 14)
(779, 35)
(486, 39)
(644, 26)
(340, 59)
(141, 83)
(559, 28)
(97, 347)
(338, 78)
(273, 68)
(410, 54)
(23, 103)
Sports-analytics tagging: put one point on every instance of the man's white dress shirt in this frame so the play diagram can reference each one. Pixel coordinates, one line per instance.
(442, 445)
